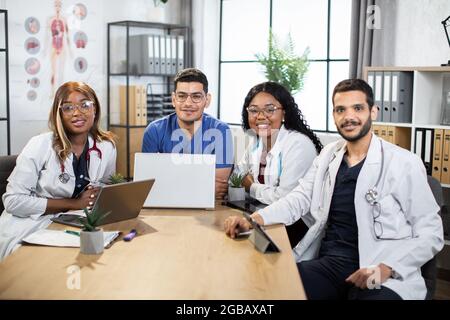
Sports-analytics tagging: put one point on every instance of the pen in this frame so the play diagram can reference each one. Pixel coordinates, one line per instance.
(131, 235)
(75, 233)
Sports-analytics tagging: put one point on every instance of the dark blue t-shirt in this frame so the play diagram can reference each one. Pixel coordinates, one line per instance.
(214, 137)
(341, 237)
(80, 169)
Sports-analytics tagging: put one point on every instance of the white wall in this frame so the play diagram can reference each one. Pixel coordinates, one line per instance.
(413, 35)
(420, 37)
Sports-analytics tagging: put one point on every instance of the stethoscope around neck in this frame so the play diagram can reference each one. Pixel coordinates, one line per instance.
(64, 176)
(372, 194)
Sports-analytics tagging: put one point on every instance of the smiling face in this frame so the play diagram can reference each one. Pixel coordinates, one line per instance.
(189, 101)
(265, 122)
(352, 115)
(81, 119)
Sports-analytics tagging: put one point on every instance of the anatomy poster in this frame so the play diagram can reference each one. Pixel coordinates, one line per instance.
(60, 41)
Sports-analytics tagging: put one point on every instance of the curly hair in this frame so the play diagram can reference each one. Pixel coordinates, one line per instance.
(293, 117)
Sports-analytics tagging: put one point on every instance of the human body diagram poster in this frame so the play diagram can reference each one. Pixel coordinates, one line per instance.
(61, 40)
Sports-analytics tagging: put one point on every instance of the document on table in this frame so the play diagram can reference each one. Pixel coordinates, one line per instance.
(59, 238)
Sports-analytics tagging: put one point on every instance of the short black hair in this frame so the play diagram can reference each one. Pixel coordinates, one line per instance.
(191, 75)
(355, 85)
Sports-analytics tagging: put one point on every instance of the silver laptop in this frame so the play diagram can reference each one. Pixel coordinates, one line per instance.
(123, 200)
(181, 180)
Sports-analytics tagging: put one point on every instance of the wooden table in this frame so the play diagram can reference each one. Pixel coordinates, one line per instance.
(178, 254)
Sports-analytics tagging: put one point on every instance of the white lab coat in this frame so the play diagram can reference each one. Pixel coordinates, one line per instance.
(36, 178)
(287, 161)
(409, 212)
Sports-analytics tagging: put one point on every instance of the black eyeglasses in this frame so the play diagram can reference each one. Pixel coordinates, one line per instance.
(377, 226)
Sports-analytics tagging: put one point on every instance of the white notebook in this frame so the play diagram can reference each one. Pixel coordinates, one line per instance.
(59, 238)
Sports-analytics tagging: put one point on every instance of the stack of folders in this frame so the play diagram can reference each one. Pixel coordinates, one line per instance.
(393, 93)
(137, 105)
(397, 135)
(156, 54)
(433, 146)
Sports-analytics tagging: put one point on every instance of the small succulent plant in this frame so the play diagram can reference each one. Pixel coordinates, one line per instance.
(116, 178)
(93, 219)
(236, 179)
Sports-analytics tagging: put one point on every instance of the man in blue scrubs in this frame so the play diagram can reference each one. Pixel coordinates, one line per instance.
(190, 130)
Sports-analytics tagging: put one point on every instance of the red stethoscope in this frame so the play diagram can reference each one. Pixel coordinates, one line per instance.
(64, 176)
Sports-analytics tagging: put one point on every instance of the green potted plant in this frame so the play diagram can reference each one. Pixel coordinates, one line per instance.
(236, 191)
(116, 178)
(283, 65)
(91, 237)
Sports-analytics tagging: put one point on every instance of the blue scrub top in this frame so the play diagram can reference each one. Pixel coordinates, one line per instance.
(214, 137)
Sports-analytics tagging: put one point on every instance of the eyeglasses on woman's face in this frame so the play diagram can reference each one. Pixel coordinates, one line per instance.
(268, 111)
(84, 107)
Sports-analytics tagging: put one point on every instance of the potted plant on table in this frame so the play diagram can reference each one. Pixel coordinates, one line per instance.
(116, 178)
(91, 237)
(236, 191)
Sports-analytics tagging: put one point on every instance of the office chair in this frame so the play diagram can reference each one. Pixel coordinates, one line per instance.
(7, 164)
(429, 269)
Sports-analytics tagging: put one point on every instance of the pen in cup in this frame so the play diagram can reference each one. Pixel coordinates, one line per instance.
(75, 233)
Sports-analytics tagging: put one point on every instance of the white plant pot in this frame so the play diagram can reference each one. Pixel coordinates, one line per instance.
(91, 242)
(236, 194)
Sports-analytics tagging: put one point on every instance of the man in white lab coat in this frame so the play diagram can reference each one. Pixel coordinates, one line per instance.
(373, 220)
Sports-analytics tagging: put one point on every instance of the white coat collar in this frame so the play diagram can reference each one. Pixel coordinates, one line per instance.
(373, 154)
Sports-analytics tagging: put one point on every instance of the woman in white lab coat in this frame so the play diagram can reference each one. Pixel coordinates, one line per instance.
(282, 146)
(57, 171)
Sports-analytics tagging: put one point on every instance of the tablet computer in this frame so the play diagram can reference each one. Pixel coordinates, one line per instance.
(262, 240)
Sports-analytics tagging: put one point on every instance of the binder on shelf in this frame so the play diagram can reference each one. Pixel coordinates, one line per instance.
(151, 54)
(157, 46)
(134, 110)
(386, 97)
(168, 54)
(143, 105)
(423, 147)
(400, 136)
(162, 47)
(445, 174)
(428, 151)
(173, 48)
(376, 130)
(401, 97)
(383, 133)
(437, 153)
(136, 59)
(378, 95)
(180, 53)
(418, 142)
(390, 134)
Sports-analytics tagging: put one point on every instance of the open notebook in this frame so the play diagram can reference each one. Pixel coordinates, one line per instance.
(59, 238)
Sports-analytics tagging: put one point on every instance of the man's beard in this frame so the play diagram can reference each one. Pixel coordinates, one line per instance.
(364, 130)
